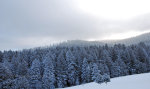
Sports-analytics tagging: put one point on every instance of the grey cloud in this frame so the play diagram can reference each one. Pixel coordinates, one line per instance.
(57, 19)
(141, 23)
(33, 19)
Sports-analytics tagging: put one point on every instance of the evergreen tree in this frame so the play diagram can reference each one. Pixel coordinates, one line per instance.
(96, 76)
(71, 71)
(123, 68)
(143, 57)
(60, 82)
(5, 72)
(48, 78)
(85, 71)
(22, 68)
(21, 83)
(61, 70)
(5, 76)
(106, 78)
(35, 75)
(64, 66)
(1, 56)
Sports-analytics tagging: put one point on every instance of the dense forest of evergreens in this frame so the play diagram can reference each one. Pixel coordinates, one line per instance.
(64, 66)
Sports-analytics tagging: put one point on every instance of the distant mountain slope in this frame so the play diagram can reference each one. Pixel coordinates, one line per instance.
(134, 40)
(81, 43)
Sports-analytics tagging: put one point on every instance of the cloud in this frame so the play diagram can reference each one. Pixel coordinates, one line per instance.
(24, 22)
(141, 23)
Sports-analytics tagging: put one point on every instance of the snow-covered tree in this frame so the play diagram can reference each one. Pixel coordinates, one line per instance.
(96, 76)
(60, 83)
(5, 72)
(61, 70)
(1, 56)
(69, 56)
(71, 71)
(48, 78)
(85, 71)
(106, 78)
(5, 76)
(121, 66)
(21, 83)
(143, 57)
(61, 66)
(22, 68)
(35, 75)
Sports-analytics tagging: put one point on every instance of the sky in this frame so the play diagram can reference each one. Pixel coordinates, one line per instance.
(33, 23)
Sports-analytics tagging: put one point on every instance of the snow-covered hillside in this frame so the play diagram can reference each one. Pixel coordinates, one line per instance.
(129, 41)
(133, 40)
(138, 81)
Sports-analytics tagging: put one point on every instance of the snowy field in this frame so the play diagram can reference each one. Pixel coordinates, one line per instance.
(138, 81)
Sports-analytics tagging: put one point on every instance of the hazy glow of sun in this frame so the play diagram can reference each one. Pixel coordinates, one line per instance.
(114, 9)
(119, 36)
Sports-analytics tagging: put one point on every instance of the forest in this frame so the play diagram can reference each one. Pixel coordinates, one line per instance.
(64, 66)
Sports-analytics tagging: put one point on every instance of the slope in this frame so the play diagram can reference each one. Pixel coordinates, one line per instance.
(133, 40)
(138, 81)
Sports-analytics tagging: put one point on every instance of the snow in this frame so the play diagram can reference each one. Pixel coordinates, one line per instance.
(138, 81)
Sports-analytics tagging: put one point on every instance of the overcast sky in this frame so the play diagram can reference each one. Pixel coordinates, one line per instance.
(33, 23)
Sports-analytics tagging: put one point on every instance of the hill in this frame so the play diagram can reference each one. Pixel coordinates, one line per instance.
(133, 40)
(138, 81)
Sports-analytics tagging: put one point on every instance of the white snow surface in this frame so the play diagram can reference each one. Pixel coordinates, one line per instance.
(137, 81)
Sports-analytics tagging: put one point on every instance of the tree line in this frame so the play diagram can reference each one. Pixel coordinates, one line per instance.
(65, 66)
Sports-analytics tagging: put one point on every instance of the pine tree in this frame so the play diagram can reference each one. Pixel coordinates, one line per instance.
(5, 76)
(35, 75)
(21, 83)
(1, 56)
(69, 56)
(71, 71)
(133, 63)
(5, 72)
(22, 68)
(85, 71)
(108, 61)
(61, 70)
(121, 65)
(106, 78)
(60, 82)
(143, 57)
(48, 78)
(96, 76)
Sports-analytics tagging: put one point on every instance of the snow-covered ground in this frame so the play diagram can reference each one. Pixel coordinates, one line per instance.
(138, 81)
